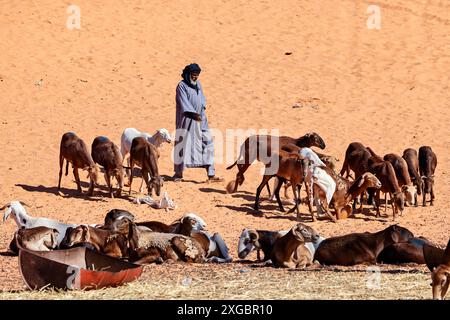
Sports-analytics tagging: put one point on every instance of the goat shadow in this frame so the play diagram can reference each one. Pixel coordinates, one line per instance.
(8, 254)
(67, 193)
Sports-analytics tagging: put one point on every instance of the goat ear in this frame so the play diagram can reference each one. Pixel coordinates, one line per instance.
(133, 237)
(360, 182)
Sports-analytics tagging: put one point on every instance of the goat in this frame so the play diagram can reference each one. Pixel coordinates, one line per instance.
(263, 240)
(305, 152)
(404, 181)
(347, 191)
(427, 166)
(356, 159)
(258, 146)
(74, 150)
(23, 220)
(385, 172)
(440, 276)
(412, 160)
(289, 250)
(404, 252)
(215, 248)
(291, 167)
(147, 246)
(106, 153)
(145, 155)
(104, 241)
(159, 137)
(178, 226)
(35, 239)
(357, 248)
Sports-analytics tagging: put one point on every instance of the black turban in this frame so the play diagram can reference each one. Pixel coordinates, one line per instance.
(190, 68)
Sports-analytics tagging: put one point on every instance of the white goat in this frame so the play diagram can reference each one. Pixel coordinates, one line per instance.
(23, 220)
(158, 138)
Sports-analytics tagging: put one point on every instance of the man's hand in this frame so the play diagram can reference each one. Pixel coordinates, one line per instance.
(193, 115)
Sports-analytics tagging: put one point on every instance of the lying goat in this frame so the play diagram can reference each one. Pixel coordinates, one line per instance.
(35, 239)
(104, 241)
(251, 239)
(23, 220)
(289, 250)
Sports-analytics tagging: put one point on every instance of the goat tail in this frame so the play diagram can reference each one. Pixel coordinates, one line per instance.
(235, 163)
(67, 167)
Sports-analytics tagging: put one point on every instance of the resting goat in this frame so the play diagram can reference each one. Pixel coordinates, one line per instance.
(263, 240)
(441, 276)
(357, 248)
(23, 220)
(289, 250)
(35, 239)
(104, 241)
(147, 246)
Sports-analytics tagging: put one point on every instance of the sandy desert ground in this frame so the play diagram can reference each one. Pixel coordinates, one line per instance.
(387, 88)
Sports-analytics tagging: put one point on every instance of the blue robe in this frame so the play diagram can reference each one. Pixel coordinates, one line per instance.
(194, 146)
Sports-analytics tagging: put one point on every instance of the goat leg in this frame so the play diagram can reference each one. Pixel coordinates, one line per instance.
(222, 247)
(377, 202)
(108, 183)
(432, 195)
(77, 178)
(277, 195)
(259, 189)
(61, 164)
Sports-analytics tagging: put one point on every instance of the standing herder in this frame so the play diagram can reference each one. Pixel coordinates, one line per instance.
(194, 147)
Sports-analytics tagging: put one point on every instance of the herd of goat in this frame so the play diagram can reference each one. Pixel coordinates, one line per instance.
(186, 239)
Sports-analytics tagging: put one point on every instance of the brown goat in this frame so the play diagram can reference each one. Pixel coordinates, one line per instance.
(147, 246)
(385, 172)
(291, 167)
(404, 252)
(356, 248)
(441, 276)
(427, 166)
(356, 159)
(145, 155)
(104, 241)
(401, 172)
(74, 150)
(348, 191)
(258, 146)
(412, 160)
(35, 239)
(289, 250)
(107, 154)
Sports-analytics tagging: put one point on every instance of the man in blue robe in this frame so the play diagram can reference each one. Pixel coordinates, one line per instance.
(194, 146)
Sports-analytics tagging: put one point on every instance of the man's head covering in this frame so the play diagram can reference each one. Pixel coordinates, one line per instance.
(186, 75)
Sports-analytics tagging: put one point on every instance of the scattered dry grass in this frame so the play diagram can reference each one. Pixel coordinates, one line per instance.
(240, 281)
